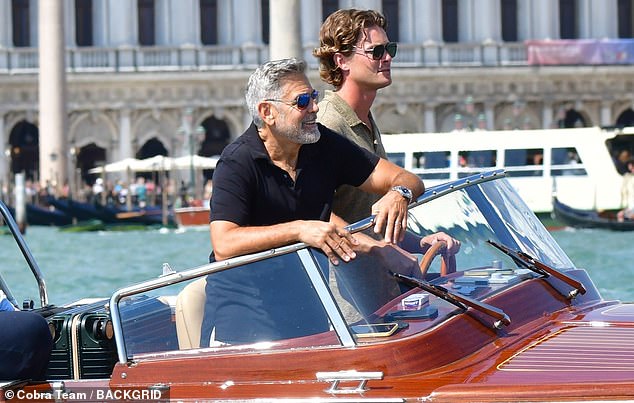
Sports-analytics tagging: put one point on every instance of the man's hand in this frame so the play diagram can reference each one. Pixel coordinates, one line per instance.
(453, 245)
(336, 242)
(391, 216)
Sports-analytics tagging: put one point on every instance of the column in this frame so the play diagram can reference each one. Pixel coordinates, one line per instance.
(6, 25)
(310, 18)
(361, 4)
(430, 118)
(184, 24)
(485, 17)
(427, 20)
(123, 31)
(52, 94)
(69, 15)
(247, 23)
(184, 21)
(125, 138)
(606, 114)
(99, 22)
(33, 20)
(545, 19)
(225, 23)
(603, 15)
(489, 113)
(547, 115)
(6, 36)
(285, 36)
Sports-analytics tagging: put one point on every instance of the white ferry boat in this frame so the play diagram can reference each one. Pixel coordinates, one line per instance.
(578, 165)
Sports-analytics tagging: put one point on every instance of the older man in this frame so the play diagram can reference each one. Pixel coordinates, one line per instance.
(274, 186)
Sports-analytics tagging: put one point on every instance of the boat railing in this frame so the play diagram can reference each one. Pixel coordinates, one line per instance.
(26, 252)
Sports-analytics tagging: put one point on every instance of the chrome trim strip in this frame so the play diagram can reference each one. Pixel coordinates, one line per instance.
(328, 301)
(177, 277)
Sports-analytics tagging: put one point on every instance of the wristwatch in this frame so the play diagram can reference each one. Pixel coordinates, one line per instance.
(405, 192)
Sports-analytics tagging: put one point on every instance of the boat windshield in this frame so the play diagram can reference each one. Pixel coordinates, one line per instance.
(304, 301)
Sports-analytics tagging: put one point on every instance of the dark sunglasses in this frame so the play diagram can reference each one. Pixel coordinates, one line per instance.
(379, 50)
(301, 102)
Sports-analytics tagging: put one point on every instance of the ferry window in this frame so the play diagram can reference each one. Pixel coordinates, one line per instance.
(480, 159)
(473, 162)
(521, 162)
(397, 158)
(566, 161)
(433, 160)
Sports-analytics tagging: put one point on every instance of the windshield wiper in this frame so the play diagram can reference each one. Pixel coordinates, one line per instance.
(529, 262)
(461, 301)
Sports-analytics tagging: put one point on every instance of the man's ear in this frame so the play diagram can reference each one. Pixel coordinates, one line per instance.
(341, 61)
(267, 113)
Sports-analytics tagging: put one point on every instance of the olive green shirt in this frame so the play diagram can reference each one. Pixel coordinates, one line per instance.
(350, 203)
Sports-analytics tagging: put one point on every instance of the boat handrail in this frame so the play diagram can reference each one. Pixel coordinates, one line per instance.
(26, 252)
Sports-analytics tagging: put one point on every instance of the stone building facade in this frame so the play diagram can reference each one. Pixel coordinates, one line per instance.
(148, 77)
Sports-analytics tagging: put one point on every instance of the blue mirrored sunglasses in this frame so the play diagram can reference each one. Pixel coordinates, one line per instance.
(301, 102)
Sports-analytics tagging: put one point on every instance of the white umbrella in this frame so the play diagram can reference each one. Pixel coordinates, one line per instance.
(195, 161)
(156, 163)
(119, 166)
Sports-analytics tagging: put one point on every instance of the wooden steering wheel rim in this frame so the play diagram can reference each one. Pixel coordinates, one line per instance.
(447, 265)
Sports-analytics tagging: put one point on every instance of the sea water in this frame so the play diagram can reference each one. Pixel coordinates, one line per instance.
(95, 264)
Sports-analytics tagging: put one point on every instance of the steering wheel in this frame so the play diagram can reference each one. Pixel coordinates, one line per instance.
(447, 265)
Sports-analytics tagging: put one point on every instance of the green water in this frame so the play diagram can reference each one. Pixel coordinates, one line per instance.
(94, 264)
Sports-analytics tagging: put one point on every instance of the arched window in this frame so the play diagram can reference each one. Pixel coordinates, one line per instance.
(83, 22)
(625, 15)
(450, 20)
(209, 22)
(146, 22)
(509, 20)
(568, 19)
(21, 23)
(390, 11)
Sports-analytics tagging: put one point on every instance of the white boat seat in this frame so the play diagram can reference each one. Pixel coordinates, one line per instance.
(190, 306)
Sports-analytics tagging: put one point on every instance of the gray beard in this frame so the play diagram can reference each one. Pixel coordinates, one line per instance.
(299, 135)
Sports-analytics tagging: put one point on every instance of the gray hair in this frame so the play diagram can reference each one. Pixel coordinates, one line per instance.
(266, 82)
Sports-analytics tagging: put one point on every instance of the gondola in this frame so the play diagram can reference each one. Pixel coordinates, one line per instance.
(590, 218)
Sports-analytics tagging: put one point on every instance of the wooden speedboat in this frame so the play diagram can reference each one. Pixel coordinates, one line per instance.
(508, 318)
(192, 216)
(590, 218)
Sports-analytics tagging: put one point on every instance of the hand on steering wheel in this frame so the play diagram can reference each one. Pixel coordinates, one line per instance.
(448, 263)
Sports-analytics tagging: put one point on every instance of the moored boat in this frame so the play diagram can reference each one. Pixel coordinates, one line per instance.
(590, 218)
(192, 216)
(509, 318)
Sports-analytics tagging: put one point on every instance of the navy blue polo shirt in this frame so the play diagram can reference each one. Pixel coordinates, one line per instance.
(250, 190)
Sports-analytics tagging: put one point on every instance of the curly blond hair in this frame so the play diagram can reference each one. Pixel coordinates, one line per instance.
(339, 33)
